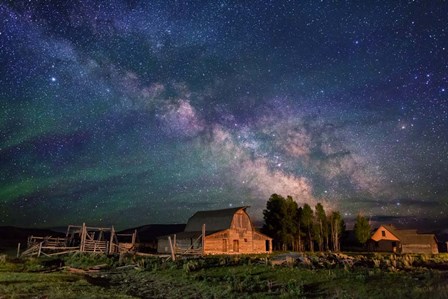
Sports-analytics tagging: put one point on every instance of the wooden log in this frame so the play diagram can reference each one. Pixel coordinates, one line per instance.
(203, 238)
(174, 242)
(173, 255)
(147, 254)
(68, 231)
(40, 249)
(76, 270)
(111, 244)
(99, 267)
(60, 248)
(126, 267)
(134, 236)
(18, 250)
(62, 252)
(83, 237)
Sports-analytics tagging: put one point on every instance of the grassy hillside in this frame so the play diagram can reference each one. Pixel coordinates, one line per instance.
(296, 276)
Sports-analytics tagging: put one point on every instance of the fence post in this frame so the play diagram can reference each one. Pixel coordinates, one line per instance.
(203, 239)
(173, 256)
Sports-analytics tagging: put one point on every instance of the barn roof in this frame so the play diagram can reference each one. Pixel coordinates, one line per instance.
(214, 220)
(418, 239)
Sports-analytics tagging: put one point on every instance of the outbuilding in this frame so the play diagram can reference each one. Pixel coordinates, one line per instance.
(387, 238)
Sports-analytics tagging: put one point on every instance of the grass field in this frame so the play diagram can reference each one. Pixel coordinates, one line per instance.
(379, 276)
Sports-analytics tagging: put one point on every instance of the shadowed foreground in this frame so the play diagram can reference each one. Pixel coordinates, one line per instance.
(284, 275)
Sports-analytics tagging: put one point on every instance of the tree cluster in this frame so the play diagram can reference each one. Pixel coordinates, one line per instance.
(301, 228)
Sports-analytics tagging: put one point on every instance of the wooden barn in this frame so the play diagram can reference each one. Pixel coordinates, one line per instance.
(387, 238)
(227, 231)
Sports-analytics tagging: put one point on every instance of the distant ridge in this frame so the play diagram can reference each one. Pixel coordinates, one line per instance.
(10, 236)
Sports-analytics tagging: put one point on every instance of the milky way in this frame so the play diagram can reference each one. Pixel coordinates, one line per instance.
(136, 112)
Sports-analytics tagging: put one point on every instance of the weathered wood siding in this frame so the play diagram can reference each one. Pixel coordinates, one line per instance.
(384, 246)
(239, 238)
(420, 248)
(259, 243)
(163, 246)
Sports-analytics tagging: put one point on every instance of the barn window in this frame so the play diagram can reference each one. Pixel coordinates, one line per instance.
(236, 246)
(383, 233)
(224, 245)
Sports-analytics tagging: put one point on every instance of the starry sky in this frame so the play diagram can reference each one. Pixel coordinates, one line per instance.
(137, 112)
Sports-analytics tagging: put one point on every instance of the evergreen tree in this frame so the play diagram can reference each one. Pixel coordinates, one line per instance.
(362, 229)
(299, 233)
(307, 223)
(289, 227)
(273, 215)
(280, 221)
(321, 231)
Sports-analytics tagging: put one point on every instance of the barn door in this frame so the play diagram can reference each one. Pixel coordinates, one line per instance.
(236, 246)
(224, 245)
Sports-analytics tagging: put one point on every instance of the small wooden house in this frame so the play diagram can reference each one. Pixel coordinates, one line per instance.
(387, 238)
(227, 231)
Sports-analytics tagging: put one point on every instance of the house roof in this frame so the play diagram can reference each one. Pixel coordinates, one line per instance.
(214, 220)
(410, 236)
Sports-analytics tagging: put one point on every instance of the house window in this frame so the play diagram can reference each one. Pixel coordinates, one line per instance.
(394, 244)
(383, 233)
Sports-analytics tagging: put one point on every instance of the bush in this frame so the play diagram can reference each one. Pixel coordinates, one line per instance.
(292, 289)
(88, 260)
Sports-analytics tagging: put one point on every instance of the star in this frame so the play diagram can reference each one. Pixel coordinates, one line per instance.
(160, 110)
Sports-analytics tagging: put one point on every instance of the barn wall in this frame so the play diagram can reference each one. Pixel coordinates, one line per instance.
(384, 246)
(259, 246)
(223, 242)
(419, 248)
(163, 246)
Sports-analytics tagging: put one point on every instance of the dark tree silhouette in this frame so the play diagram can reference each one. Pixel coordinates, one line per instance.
(362, 229)
(273, 215)
(336, 226)
(307, 223)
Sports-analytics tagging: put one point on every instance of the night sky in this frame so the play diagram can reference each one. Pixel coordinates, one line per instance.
(138, 112)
